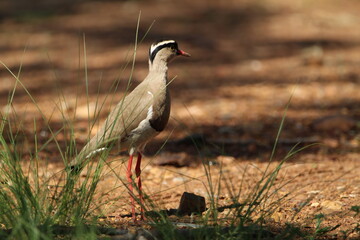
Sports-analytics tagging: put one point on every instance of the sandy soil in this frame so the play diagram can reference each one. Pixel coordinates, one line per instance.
(248, 59)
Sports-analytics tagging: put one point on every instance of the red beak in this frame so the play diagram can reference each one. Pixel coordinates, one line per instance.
(182, 53)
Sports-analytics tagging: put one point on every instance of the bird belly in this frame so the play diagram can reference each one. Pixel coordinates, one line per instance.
(138, 138)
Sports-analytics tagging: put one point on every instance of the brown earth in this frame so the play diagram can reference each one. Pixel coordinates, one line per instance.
(249, 58)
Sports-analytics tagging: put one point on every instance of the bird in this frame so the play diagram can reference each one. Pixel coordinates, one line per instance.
(137, 118)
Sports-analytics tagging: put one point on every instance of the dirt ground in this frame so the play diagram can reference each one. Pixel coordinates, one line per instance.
(248, 59)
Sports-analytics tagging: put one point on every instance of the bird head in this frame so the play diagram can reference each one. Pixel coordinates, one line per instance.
(165, 50)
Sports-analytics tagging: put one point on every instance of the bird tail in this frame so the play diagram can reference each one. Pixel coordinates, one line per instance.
(77, 164)
(75, 168)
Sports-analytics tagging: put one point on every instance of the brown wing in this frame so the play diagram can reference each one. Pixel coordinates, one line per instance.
(126, 116)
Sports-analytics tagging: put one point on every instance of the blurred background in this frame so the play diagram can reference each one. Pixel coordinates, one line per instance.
(248, 58)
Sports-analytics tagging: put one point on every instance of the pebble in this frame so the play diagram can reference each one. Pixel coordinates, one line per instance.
(313, 192)
(178, 179)
(191, 203)
(331, 205)
(225, 159)
(315, 204)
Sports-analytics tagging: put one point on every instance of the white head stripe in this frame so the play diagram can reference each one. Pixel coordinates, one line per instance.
(153, 47)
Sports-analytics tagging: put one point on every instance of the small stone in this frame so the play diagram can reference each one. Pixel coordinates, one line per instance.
(331, 205)
(191, 203)
(225, 159)
(313, 192)
(315, 204)
(178, 179)
(347, 195)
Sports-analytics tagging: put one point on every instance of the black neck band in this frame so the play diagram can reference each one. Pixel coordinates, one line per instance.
(158, 48)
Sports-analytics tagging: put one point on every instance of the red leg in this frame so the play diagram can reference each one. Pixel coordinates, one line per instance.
(129, 175)
(138, 177)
